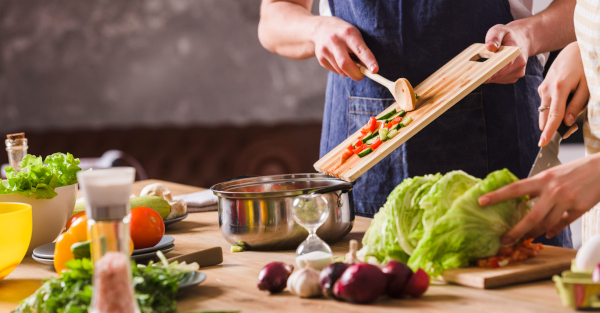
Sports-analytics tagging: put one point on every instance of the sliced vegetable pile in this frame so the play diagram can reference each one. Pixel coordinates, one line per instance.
(155, 288)
(375, 132)
(39, 179)
(434, 222)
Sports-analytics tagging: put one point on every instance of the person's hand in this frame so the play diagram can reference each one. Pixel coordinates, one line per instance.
(564, 194)
(564, 77)
(335, 39)
(508, 35)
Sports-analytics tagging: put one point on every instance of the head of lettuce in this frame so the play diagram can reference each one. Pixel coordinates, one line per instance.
(456, 229)
(38, 179)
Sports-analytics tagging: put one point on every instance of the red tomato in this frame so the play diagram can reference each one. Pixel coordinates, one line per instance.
(358, 143)
(373, 124)
(146, 227)
(350, 148)
(73, 218)
(362, 136)
(376, 144)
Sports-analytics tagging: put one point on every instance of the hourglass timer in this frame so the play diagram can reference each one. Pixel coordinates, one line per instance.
(311, 211)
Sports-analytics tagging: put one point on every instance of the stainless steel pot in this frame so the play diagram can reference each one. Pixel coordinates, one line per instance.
(257, 212)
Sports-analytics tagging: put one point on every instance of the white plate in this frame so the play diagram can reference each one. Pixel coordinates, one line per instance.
(47, 251)
(191, 279)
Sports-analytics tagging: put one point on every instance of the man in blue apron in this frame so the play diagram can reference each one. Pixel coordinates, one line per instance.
(492, 128)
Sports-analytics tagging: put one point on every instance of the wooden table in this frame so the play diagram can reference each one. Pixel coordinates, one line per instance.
(232, 285)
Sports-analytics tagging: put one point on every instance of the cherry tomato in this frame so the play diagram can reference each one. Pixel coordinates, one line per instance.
(146, 227)
(73, 218)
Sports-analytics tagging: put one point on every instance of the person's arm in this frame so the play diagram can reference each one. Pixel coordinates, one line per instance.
(549, 30)
(564, 193)
(288, 28)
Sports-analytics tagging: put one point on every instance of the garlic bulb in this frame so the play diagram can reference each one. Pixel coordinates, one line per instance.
(304, 283)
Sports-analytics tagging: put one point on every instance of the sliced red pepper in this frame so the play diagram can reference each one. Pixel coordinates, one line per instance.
(493, 262)
(359, 149)
(376, 144)
(372, 125)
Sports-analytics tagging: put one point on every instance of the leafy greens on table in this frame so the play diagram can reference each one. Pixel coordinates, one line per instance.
(155, 288)
(39, 179)
(435, 222)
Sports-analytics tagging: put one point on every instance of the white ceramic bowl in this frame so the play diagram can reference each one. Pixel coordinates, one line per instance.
(49, 215)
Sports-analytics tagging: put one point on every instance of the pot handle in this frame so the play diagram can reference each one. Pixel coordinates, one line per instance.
(343, 188)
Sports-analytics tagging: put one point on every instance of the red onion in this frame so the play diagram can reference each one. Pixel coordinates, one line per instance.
(273, 277)
(360, 283)
(329, 275)
(596, 274)
(398, 274)
(417, 284)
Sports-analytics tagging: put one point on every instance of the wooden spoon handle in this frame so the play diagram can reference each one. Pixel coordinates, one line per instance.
(378, 78)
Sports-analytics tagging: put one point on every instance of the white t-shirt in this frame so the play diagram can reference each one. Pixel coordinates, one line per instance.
(518, 8)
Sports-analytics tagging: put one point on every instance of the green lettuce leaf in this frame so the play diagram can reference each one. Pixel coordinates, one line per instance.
(397, 227)
(443, 193)
(38, 180)
(468, 232)
(65, 167)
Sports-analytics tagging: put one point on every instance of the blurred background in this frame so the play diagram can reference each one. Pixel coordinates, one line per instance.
(182, 88)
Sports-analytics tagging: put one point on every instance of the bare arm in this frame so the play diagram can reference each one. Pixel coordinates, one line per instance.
(549, 30)
(288, 28)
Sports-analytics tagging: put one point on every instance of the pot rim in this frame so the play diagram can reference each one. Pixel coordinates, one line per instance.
(221, 189)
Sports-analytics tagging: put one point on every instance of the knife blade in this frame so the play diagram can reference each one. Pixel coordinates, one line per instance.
(548, 155)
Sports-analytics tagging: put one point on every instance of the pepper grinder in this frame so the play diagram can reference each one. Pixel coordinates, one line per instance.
(107, 207)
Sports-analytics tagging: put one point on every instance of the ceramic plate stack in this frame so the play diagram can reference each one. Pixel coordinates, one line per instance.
(45, 254)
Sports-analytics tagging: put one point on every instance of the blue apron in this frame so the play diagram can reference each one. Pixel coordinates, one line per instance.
(492, 128)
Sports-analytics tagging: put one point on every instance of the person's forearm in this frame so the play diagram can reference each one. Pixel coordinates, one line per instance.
(551, 29)
(286, 28)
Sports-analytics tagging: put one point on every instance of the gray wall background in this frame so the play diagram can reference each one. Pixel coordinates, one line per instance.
(114, 63)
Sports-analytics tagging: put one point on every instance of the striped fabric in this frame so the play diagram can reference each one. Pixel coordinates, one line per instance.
(587, 26)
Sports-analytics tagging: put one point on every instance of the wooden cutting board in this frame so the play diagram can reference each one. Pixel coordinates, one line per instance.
(438, 93)
(550, 261)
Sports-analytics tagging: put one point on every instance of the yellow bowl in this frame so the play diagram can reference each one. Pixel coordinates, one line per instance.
(15, 235)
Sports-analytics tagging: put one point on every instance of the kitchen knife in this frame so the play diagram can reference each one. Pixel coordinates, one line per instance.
(204, 258)
(548, 155)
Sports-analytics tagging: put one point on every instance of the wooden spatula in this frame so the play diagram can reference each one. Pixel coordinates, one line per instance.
(206, 257)
(402, 90)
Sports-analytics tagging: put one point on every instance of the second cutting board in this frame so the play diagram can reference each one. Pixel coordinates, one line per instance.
(550, 261)
(438, 93)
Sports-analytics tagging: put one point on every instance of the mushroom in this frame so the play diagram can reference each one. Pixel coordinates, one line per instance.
(156, 189)
(178, 207)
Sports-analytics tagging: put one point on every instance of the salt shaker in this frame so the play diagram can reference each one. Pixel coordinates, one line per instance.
(16, 146)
